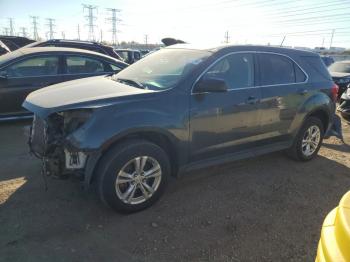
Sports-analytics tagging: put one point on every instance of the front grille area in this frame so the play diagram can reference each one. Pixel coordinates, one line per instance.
(37, 140)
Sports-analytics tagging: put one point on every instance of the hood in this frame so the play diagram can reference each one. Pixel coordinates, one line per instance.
(82, 93)
(339, 74)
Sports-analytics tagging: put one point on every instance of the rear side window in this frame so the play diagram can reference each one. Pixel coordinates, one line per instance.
(276, 69)
(316, 69)
(36, 66)
(83, 65)
(237, 70)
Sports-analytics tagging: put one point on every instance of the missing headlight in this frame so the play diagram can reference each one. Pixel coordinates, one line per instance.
(74, 119)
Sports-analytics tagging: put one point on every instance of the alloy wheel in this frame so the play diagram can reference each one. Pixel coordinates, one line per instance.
(138, 180)
(311, 140)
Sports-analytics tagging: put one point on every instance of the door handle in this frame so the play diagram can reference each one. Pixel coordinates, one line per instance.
(303, 92)
(252, 100)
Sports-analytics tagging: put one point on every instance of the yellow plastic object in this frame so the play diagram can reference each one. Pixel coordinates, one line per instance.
(334, 244)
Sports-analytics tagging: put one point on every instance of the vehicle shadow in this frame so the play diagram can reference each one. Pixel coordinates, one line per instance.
(270, 204)
(338, 147)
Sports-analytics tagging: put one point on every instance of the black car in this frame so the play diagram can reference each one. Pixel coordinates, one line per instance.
(340, 72)
(3, 48)
(15, 42)
(129, 55)
(179, 109)
(27, 69)
(87, 45)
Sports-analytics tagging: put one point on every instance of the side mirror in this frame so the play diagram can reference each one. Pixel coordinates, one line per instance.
(210, 85)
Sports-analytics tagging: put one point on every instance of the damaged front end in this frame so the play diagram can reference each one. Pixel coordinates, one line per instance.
(48, 141)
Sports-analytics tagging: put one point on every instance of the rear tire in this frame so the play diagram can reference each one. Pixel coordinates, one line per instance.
(308, 141)
(132, 175)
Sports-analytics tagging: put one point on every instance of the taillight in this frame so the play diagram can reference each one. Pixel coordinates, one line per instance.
(334, 92)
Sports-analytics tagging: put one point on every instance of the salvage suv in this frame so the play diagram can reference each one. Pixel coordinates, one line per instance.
(179, 109)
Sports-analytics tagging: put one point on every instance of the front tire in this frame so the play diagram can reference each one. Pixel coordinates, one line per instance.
(133, 175)
(308, 141)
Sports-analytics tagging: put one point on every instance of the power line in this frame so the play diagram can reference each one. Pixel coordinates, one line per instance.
(113, 19)
(35, 27)
(90, 19)
(51, 25)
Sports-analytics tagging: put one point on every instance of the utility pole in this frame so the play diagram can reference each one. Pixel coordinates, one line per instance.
(146, 40)
(35, 27)
(51, 25)
(330, 45)
(90, 19)
(227, 37)
(78, 32)
(113, 19)
(101, 36)
(23, 31)
(322, 42)
(63, 35)
(284, 38)
(12, 31)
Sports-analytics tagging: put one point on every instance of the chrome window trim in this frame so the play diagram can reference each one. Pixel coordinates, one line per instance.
(250, 87)
(58, 56)
(92, 74)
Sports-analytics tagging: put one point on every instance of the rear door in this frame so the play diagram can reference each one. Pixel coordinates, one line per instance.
(283, 90)
(80, 66)
(25, 76)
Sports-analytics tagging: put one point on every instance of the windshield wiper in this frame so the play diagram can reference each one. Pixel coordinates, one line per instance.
(131, 82)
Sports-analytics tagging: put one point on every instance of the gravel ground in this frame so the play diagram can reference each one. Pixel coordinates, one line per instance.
(269, 208)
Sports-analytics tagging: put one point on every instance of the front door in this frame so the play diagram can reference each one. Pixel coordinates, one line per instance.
(22, 77)
(226, 122)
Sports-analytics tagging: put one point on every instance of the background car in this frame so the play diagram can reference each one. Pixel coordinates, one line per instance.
(3, 48)
(28, 69)
(327, 60)
(91, 46)
(129, 55)
(340, 72)
(15, 42)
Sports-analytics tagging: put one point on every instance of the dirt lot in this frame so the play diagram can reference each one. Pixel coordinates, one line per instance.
(264, 209)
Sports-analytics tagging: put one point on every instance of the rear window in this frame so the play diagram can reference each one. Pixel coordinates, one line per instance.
(277, 69)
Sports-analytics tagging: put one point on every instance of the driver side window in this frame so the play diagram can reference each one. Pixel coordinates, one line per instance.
(237, 70)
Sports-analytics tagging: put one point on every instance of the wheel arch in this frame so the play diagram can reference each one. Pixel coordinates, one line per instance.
(157, 136)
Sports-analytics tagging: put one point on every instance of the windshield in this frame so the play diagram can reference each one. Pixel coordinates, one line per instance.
(340, 67)
(163, 69)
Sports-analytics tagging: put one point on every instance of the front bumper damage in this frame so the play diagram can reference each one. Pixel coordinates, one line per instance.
(48, 141)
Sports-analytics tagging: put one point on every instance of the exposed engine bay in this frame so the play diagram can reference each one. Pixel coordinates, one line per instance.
(48, 141)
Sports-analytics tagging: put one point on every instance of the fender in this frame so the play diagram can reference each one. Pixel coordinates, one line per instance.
(318, 102)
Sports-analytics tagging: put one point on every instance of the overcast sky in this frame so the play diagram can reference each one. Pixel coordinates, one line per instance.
(304, 22)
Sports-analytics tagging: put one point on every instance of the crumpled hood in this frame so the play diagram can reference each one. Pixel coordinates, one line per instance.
(339, 74)
(81, 93)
